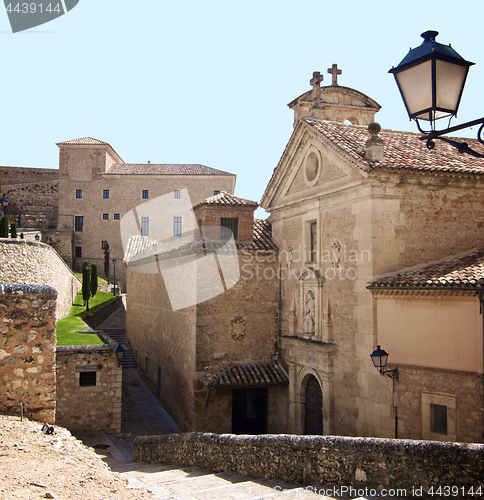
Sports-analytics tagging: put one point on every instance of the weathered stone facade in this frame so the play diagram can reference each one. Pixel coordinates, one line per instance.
(98, 186)
(89, 385)
(31, 262)
(33, 193)
(341, 219)
(176, 349)
(27, 341)
(364, 464)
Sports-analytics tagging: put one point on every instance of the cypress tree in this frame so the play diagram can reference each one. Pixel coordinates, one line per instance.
(13, 230)
(106, 259)
(93, 282)
(85, 280)
(3, 227)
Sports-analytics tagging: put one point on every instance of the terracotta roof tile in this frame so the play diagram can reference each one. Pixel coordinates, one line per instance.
(84, 141)
(224, 198)
(455, 272)
(246, 374)
(143, 248)
(163, 169)
(402, 150)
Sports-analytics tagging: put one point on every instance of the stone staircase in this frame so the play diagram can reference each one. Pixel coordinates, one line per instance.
(192, 483)
(119, 335)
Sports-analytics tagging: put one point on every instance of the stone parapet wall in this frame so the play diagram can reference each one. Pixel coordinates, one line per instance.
(95, 319)
(361, 463)
(96, 406)
(31, 262)
(27, 341)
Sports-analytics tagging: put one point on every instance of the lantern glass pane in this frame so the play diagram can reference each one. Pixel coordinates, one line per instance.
(416, 86)
(450, 79)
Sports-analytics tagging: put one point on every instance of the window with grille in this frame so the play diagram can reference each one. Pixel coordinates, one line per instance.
(105, 216)
(117, 216)
(78, 193)
(216, 192)
(145, 226)
(78, 223)
(177, 226)
(177, 194)
(78, 252)
(106, 193)
(87, 378)
(145, 194)
(314, 241)
(104, 245)
(230, 226)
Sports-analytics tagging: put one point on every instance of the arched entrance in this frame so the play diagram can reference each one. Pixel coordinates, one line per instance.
(313, 420)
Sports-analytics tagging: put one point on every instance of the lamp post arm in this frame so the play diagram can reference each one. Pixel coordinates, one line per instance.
(393, 374)
(462, 147)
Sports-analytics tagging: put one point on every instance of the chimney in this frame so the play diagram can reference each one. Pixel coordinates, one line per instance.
(374, 145)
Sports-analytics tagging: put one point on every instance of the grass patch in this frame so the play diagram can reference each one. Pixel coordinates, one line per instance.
(66, 328)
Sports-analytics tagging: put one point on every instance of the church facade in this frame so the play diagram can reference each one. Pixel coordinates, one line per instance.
(349, 203)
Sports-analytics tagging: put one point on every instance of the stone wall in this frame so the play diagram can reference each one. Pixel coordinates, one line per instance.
(32, 192)
(96, 405)
(27, 341)
(360, 463)
(30, 262)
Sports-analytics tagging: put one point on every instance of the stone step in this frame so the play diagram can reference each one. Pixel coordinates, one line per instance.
(193, 483)
(115, 452)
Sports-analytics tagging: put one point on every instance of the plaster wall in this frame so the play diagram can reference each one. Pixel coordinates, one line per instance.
(433, 331)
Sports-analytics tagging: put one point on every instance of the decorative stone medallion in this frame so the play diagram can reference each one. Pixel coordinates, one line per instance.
(237, 328)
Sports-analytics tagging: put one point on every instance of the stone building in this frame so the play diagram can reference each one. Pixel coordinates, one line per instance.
(96, 189)
(348, 204)
(214, 364)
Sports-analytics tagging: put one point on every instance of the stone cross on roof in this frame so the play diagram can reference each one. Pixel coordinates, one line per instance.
(315, 81)
(335, 72)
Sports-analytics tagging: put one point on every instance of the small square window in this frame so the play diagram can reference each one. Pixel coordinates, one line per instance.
(177, 194)
(177, 226)
(78, 193)
(105, 216)
(78, 252)
(78, 223)
(216, 192)
(87, 379)
(145, 194)
(145, 226)
(104, 245)
(117, 217)
(230, 227)
(106, 193)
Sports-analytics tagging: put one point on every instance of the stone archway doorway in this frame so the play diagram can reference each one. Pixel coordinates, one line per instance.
(313, 406)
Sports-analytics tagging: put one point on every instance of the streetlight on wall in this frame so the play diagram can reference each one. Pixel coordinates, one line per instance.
(114, 266)
(431, 81)
(380, 358)
(4, 201)
(120, 352)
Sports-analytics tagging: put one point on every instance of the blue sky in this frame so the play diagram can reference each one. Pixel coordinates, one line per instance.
(209, 82)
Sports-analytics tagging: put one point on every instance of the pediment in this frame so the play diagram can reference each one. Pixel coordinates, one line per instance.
(309, 167)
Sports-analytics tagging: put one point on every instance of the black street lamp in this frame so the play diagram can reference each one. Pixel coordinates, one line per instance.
(120, 352)
(380, 357)
(114, 266)
(4, 201)
(431, 81)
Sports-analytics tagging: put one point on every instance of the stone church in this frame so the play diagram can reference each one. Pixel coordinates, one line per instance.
(378, 242)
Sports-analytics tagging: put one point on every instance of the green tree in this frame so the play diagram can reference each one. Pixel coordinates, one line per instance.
(3, 227)
(85, 281)
(93, 282)
(13, 230)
